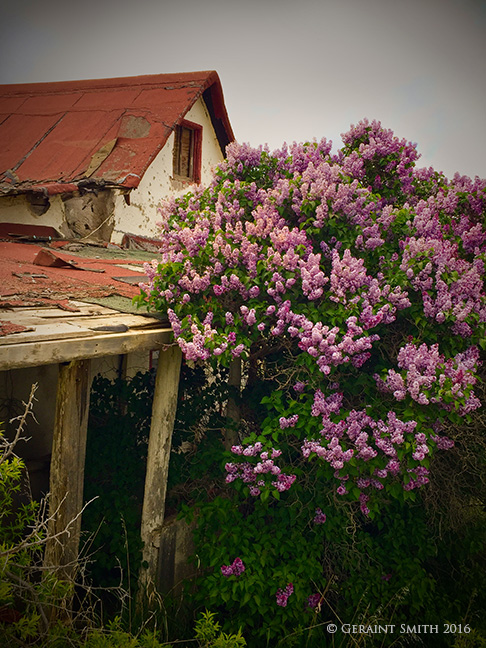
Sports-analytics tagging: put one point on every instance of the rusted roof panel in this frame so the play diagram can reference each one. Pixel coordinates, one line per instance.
(160, 97)
(19, 134)
(49, 104)
(10, 104)
(130, 158)
(106, 99)
(67, 149)
(58, 135)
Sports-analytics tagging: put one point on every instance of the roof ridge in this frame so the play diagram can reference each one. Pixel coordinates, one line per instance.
(204, 78)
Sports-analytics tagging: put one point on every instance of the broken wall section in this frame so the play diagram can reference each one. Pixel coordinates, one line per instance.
(89, 216)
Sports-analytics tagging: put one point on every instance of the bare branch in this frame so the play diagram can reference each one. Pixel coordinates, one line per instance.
(10, 445)
(34, 539)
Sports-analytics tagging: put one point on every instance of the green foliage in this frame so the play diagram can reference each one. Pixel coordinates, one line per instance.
(412, 561)
(470, 640)
(209, 635)
(196, 458)
(27, 592)
(118, 430)
(113, 636)
(16, 555)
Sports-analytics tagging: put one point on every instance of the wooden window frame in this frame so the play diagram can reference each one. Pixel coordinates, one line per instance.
(196, 152)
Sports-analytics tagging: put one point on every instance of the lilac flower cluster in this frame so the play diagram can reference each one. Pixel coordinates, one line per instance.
(451, 287)
(284, 594)
(367, 142)
(418, 477)
(236, 568)
(359, 435)
(319, 517)
(289, 422)
(429, 378)
(314, 600)
(251, 474)
(363, 503)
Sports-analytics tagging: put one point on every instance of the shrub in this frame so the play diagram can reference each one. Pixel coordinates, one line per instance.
(30, 594)
(350, 287)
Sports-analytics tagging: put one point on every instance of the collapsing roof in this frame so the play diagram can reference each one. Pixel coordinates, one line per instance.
(64, 136)
(56, 305)
(34, 273)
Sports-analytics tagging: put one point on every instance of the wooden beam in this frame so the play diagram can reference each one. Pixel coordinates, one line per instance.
(31, 354)
(163, 417)
(67, 466)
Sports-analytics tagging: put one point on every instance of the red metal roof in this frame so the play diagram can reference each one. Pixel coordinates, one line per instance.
(57, 137)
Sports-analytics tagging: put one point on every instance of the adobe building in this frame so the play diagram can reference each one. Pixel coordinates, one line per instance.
(95, 158)
(83, 167)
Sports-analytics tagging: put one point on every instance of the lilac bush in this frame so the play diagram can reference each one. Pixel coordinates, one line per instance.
(362, 274)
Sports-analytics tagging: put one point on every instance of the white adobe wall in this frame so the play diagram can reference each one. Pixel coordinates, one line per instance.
(141, 215)
(16, 209)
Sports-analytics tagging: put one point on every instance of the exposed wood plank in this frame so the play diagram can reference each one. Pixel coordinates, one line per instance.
(44, 332)
(163, 416)
(57, 313)
(34, 317)
(84, 308)
(114, 319)
(67, 465)
(31, 319)
(43, 326)
(55, 323)
(29, 354)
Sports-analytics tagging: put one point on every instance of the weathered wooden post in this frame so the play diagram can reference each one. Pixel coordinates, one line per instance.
(67, 466)
(163, 416)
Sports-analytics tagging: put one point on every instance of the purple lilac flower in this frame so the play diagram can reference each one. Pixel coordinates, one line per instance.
(251, 474)
(284, 482)
(283, 595)
(319, 517)
(235, 569)
(363, 499)
(288, 422)
(314, 600)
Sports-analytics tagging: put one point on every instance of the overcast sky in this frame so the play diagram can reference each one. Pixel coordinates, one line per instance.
(291, 70)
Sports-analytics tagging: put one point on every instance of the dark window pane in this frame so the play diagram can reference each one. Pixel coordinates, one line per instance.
(184, 152)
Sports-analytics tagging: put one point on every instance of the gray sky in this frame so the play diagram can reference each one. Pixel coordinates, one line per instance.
(291, 70)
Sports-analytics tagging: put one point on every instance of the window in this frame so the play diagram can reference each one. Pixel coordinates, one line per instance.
(187, 152)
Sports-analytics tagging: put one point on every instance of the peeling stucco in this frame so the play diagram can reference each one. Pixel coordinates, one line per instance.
(89, 215)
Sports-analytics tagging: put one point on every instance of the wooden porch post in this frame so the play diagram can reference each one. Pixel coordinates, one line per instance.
(163, 416)
(67, 465)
